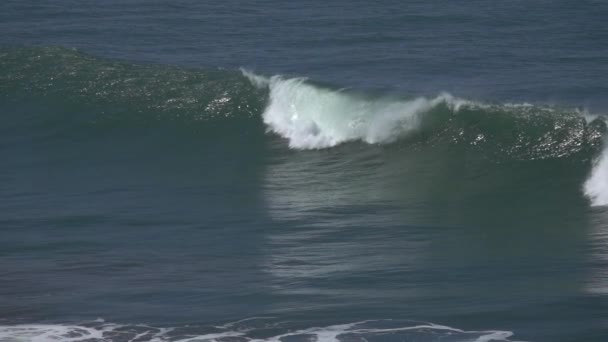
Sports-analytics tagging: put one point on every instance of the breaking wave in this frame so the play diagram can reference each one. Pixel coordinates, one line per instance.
(316, 117)
(310, 116)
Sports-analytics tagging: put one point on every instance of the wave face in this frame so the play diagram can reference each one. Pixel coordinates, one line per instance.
(244, 331)
(314, 117)
(83, 93)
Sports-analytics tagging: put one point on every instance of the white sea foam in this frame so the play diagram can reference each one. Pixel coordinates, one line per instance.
(596, 186)
(313, 117)
(358, 331)
(48, 332)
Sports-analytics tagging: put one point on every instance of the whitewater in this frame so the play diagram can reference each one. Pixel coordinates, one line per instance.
(244, 331)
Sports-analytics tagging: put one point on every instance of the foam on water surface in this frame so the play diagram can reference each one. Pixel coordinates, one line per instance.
(249, 330)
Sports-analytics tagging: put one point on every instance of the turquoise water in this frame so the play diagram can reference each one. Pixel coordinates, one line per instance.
(303, 171)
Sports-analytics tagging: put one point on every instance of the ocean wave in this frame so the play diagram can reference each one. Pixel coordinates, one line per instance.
(78, 91)
(242, 331)
(113, 93)
(315, 117)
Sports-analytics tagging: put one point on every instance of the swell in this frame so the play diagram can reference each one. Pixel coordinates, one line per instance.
(124, 93)
(82, 92)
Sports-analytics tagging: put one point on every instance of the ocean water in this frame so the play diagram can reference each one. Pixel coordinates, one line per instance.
(303, 171)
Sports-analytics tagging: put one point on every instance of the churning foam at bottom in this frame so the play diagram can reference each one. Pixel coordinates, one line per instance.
(238, 331)
(596, 186)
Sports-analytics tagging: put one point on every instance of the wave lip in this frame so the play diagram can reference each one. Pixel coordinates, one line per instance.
(313, 117)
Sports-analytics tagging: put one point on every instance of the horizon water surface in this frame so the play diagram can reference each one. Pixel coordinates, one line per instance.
(306, 171)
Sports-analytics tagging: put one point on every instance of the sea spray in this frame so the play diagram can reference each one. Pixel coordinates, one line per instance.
(313, 117)
(596, 186)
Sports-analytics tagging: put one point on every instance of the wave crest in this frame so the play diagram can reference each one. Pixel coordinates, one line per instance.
(315, 117)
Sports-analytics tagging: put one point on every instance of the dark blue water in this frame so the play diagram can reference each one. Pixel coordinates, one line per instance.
(303, 171)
